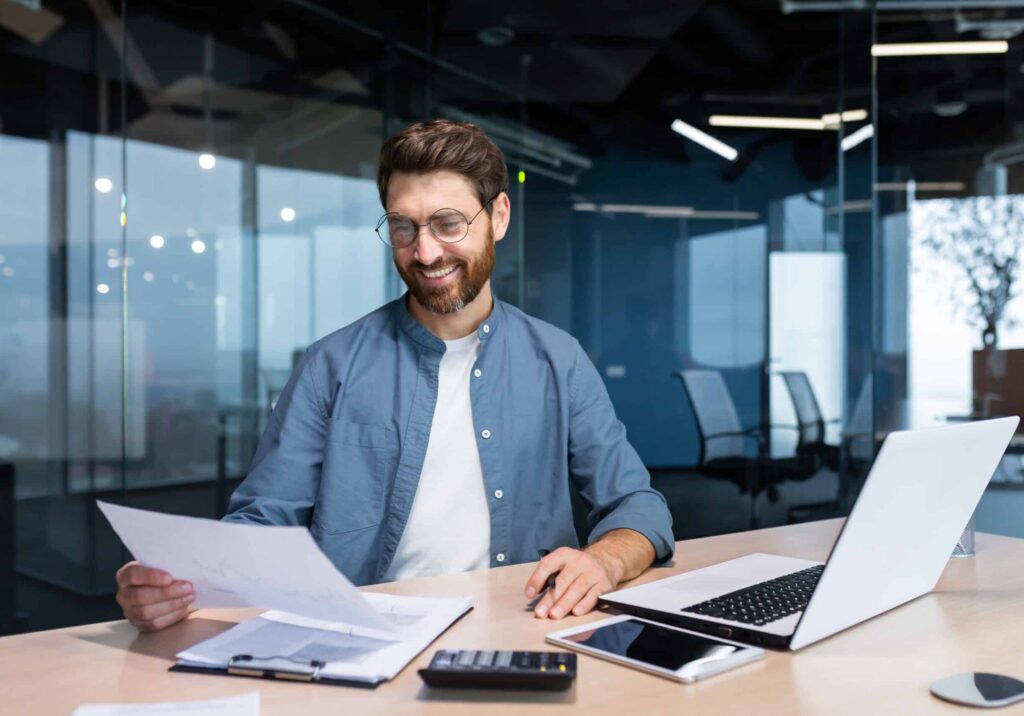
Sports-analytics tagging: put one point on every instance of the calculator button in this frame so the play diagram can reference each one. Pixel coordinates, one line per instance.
(504, 659)
(466, 658)
(484, 658)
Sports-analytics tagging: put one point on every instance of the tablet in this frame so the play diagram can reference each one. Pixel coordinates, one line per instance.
(656, 648)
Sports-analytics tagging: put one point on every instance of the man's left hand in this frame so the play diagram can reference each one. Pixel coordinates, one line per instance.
(582, 577)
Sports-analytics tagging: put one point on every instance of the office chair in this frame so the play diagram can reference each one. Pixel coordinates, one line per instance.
(853, 450)
(725, 445)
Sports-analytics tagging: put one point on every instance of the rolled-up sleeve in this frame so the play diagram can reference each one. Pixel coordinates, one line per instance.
(607, 470)
(284, 478)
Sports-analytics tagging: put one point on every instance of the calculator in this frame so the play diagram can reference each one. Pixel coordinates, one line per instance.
(482, 669)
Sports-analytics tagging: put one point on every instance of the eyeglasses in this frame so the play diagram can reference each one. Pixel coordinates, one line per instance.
(448, 225)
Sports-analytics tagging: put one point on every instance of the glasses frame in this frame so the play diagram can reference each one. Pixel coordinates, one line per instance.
(416, 235)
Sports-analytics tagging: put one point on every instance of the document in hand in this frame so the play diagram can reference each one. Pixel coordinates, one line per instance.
(239, 565)
(277, 643)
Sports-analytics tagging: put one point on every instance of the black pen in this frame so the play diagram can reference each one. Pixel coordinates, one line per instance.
(551, 577)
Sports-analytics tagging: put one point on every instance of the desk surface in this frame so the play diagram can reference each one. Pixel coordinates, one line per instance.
(974, 621)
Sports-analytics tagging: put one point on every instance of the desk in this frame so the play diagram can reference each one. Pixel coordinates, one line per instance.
(974, 621)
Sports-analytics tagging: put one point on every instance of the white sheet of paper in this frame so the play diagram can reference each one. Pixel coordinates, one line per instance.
(241, 705)
(239, 565)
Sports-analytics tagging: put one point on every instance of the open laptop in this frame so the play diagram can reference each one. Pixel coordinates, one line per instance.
(915, 502)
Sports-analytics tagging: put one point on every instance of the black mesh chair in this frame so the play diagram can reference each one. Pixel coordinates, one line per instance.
(847, 459)
(727, 450)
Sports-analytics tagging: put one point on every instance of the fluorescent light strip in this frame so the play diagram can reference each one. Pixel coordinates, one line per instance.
(664, 212)
(850, 115)
(921, 186)
(852, 140)
(919, 49)
(732, 120)
(705, 140)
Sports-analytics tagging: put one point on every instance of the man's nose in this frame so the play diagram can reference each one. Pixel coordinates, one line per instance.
(428, 248)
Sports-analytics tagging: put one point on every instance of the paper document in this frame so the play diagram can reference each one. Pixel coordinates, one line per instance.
(239, 565)
(241, 705)
(287, 642)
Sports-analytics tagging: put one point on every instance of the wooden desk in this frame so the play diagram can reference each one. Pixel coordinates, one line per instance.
(974, 621)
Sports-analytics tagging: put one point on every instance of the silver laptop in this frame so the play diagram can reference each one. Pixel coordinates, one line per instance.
(916, 500)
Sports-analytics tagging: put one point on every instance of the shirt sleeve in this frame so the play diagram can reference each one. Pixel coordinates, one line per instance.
(284, 478)
(607, 470)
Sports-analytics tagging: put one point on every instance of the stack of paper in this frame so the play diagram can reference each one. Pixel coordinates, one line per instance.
(321, 619)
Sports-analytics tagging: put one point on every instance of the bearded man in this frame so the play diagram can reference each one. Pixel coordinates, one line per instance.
(440, 433)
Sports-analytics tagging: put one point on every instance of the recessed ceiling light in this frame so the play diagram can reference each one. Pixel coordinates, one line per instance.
(288, 214)
(198, 246)
(207, 161)
(156, 241)
(103, 185)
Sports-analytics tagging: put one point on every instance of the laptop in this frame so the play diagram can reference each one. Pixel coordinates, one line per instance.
(915, 502)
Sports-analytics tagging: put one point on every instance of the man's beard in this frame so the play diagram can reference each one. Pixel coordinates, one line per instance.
(473, 274)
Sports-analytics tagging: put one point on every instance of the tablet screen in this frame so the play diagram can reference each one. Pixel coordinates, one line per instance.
(653, 644)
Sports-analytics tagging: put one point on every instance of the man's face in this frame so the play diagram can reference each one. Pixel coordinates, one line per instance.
(442, 277)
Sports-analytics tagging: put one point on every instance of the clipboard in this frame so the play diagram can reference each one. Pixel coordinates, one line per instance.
(281, 668)
(284, 668)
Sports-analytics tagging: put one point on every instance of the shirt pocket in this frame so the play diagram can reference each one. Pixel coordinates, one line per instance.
(352, 478)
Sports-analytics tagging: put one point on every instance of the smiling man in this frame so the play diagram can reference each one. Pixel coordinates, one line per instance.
(440, 433)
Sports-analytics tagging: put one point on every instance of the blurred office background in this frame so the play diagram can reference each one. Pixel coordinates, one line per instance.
(187, 200)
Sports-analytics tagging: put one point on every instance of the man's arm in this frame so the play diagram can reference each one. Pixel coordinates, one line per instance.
(630, 525)
(584, 575)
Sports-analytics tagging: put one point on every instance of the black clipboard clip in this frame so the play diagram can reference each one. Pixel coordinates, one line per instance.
(275, 667)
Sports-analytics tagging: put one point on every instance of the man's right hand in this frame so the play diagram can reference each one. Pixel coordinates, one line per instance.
(151, 598)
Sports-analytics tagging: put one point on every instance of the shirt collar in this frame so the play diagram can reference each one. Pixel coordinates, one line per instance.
(417, 332)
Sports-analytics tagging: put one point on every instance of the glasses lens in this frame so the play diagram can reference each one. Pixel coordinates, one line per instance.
(397, 230)
(449, 225)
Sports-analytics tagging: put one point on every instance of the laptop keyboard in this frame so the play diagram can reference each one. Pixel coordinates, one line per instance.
(764, 602)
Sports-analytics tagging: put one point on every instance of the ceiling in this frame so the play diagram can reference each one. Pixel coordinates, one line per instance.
(288, 79)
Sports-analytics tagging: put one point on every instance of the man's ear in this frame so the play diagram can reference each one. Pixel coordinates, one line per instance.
(501, 214)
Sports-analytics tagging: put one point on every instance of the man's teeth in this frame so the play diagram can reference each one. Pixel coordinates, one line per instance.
(439, 273)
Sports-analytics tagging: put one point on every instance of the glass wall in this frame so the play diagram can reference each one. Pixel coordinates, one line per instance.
(950, 231)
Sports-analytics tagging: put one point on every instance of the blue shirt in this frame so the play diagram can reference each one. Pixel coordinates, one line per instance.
(345, 445)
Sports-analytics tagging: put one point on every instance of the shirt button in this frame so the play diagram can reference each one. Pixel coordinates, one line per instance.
(485, 434)
(499, 494)
(487, 329)
(477, 373)
(500, 556)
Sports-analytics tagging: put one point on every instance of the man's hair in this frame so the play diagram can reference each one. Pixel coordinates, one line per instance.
(458, 147)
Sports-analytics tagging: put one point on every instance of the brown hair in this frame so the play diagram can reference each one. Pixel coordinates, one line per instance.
(459, 147)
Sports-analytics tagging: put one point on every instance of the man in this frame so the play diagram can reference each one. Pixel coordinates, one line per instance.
(439, 433)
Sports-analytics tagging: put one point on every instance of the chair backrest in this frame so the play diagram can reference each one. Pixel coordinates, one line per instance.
(808, 414)
(858, 433)
(715, 413)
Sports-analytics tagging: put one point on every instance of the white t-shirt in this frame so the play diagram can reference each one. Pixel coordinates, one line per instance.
(449, 527)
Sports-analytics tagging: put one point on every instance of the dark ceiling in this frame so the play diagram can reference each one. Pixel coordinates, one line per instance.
(589, 75)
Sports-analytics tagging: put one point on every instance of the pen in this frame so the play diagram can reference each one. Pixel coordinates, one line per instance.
(551, 577)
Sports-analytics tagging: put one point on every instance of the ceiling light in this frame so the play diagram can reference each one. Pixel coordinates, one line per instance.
(649, 211)
(156, 241)
(918, 49)
(851, 115)
(732, 120)
(496, 36)
(207, 161)
(7, 271)
(705, 140)
(103, 185)
(2, 258)
(148, 277)
(198, 246)
(852, 140)
(921, 186)
(288, 214)
(102, 288)
(113, 263)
